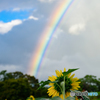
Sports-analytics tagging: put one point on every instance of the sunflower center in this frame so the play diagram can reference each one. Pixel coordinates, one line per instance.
(58, 86)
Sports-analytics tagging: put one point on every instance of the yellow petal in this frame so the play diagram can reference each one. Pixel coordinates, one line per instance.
(75, 83)
(61, 96)
(69, 75)
(67, 94)
(72, 76)
(51, 84)
(74, 79)
(58, 73)
(64, 69)
(74, 88)
(51, 88)
(54, 94)
(51, 78)
(78, 86)
(54, 77)
(57, 94)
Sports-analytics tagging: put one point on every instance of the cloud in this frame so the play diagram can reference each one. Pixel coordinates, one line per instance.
(16, 9)
(77, 60)
(76, 29)
(9, 68)
(6, 27)
(32, 17)
(58, 31)
(62, 52)
(46, 0)
(72, 61)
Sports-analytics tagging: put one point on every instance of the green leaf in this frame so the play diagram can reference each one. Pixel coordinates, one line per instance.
(54, 81)
(56, 98)
(69, 71)
(70, 98)
(43, 83)
(85, 98)
(28, 98)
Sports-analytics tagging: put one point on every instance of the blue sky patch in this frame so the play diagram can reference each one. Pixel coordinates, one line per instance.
(7, 16)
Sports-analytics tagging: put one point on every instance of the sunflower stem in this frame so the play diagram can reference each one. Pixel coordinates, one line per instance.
(60, 87)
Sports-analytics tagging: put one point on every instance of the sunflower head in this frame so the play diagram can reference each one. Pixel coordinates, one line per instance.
(57, 81)
(32, 97)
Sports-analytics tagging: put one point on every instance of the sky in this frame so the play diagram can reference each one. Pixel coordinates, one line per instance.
(74, 44)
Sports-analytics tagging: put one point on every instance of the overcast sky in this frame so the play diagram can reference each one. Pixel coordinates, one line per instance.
(75, 43)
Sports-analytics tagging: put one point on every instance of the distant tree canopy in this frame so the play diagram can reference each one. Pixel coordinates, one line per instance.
(90, 83)
(17, 86)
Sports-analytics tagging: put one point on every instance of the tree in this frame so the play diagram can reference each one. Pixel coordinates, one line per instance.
(16, 84)
(3, 75)
(14, 89)
(90, 83)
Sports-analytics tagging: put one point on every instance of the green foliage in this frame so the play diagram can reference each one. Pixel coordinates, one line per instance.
(70, 98)
(56, 98)
(19, 86)
(69, 71)
(16, 86)
(3, 74)
(15, 89)
(90, 83)
(43, 83)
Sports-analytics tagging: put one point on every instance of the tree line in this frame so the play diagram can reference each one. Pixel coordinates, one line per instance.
(90, 83)
(19, 86)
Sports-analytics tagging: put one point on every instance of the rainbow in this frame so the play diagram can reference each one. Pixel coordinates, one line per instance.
(43, 43)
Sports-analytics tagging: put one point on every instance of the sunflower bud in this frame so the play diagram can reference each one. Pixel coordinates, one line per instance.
(62, 83)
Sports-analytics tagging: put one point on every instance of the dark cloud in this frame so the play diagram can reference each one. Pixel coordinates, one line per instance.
(65, 49)
(76, 50)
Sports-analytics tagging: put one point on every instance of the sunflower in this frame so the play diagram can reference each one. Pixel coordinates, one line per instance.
(56, 88)
(32, 97)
